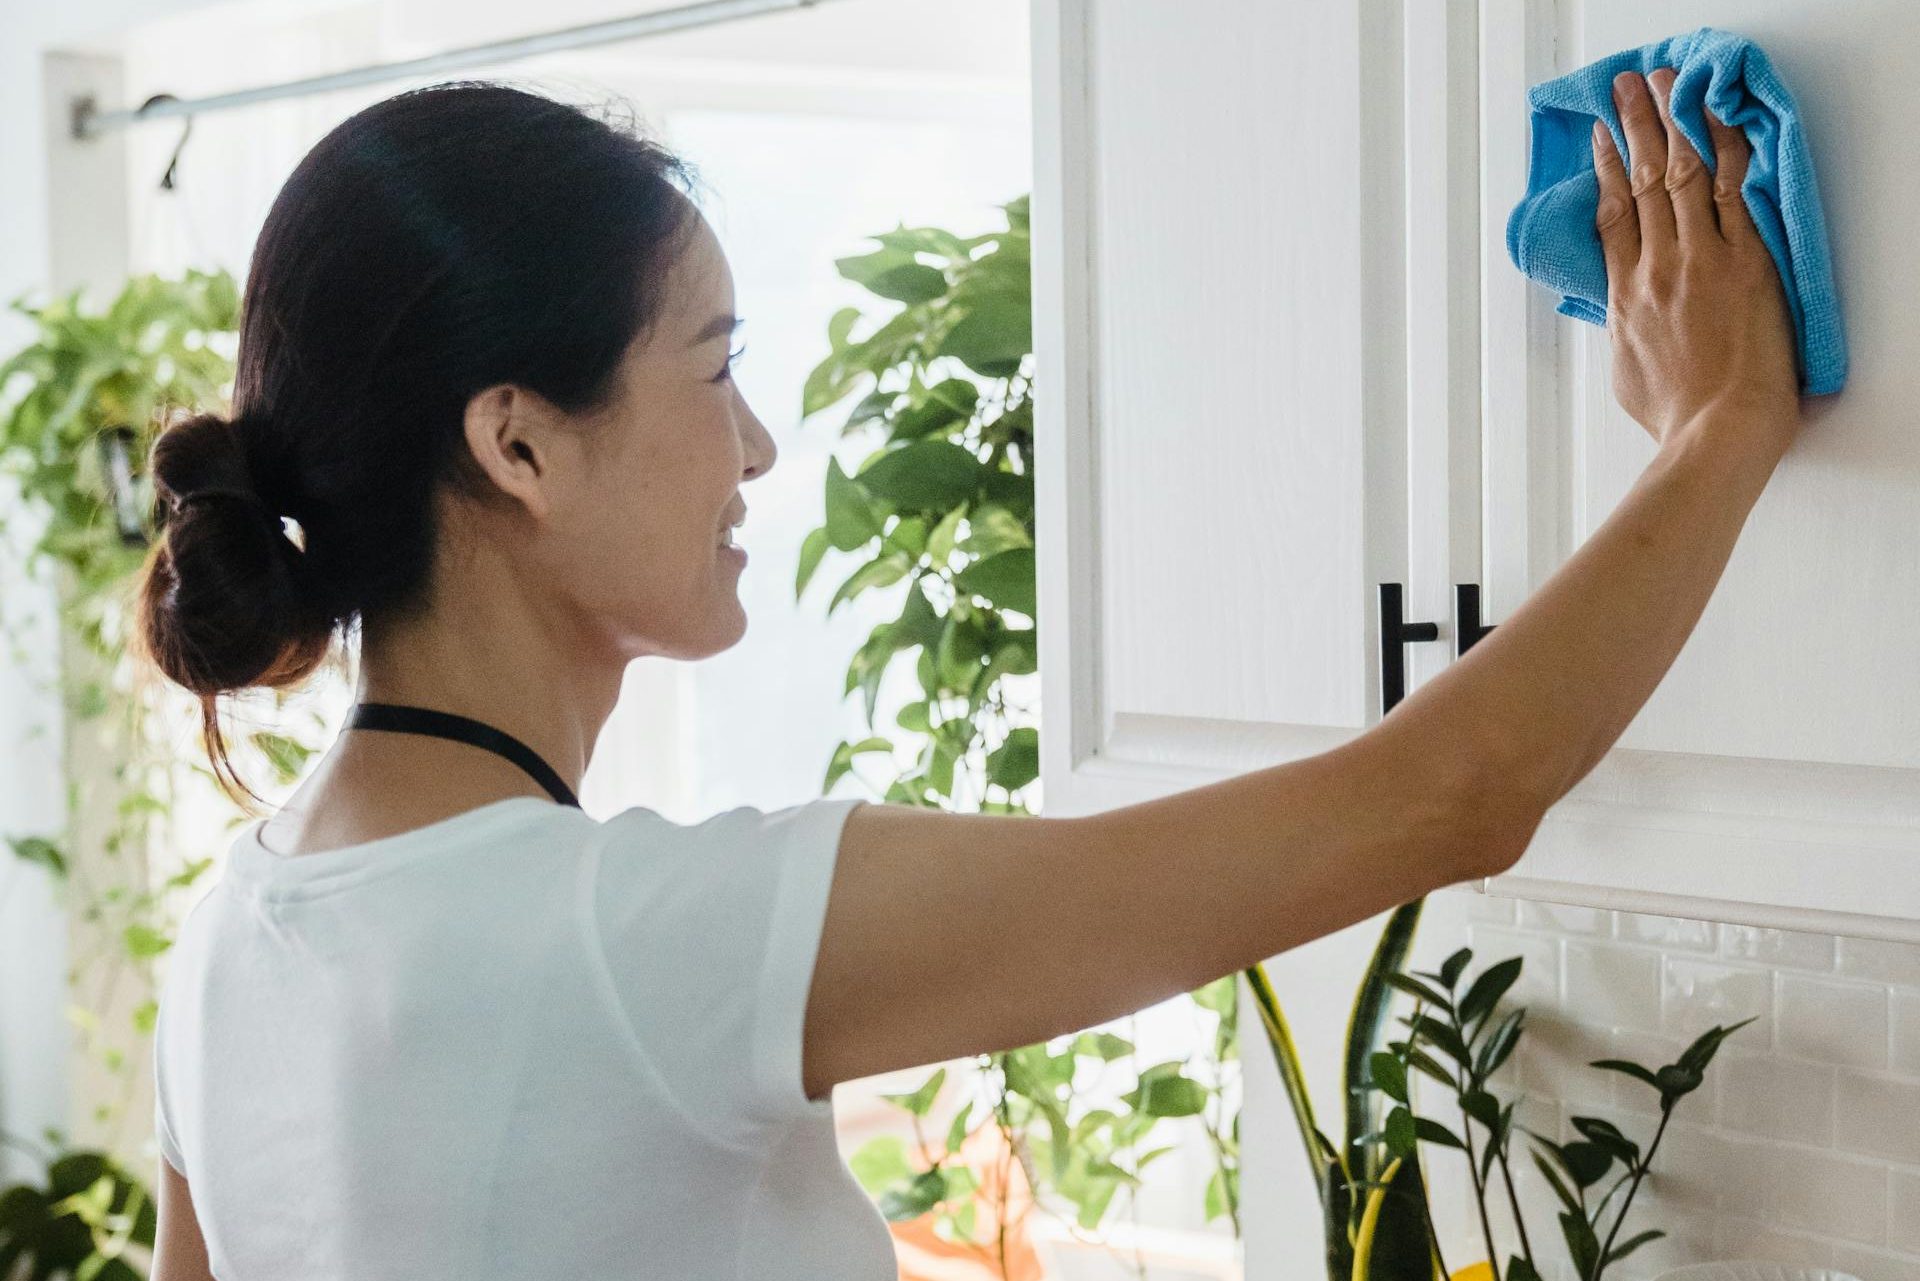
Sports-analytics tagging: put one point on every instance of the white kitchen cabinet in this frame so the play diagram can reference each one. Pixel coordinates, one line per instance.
(1283, 359)
(1774, 776)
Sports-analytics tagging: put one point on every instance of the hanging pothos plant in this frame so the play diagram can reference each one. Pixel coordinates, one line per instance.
(79, 408)
(945, 502)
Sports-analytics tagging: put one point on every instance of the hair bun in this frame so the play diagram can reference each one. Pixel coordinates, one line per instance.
(223, 595)
(203, 456)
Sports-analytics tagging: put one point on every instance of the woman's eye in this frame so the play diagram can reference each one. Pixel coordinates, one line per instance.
(727, 370)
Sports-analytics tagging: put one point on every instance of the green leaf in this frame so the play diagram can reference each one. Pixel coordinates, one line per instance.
(812, 548)
(910, 283)
(1400, 1132)
(286, 756)
(1389, 1075)
(874, 405)
(1518, 1269)
(1698, 1055)
(931, 240)
(1016, 762)
(851, 523)
(1586, 1162)
(1625, 1248)
(1214, 1203)
(926, 1190)
(946, 406)
(1676, 1082)
(921, 1099)
(1420, 991)
(880, 1163)
(1102, 1045)
(1627, 1068)
(882, 571)
(893, 272)
(993, 528)
(1454, 966)
(940, 541)
(35, 849)
(1434, 1132)
(957, 1132)
(1582, 1247)
(1445, 1039)
(143, 940)
(1167, 1096)
(1482, 1107)
(927, 475)
(1606, 1135)
(995, 332)
(1560, 1188)
(1499, 1045)
(1007, 580)
(1487, 990)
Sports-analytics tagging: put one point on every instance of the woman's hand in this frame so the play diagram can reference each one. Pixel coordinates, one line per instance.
(1698, 320)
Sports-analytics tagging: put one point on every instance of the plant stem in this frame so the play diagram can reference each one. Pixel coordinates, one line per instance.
(1506, 1177)
(1479, 1192)
(1666, 1114)
(1433, 1232)
(1473, 1163)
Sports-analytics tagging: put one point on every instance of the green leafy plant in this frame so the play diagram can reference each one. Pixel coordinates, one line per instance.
(1373, 1201)
(82, 403)
(1460, 1036)
(944, 502)
(80, 1224)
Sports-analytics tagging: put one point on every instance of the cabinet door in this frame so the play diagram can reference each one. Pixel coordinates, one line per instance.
(1774, 777)
(1220, 338)
(1233, 314)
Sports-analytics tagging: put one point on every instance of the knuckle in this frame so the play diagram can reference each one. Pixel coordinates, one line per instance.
(1613, 210)
(1684, 172)
(1646, 176)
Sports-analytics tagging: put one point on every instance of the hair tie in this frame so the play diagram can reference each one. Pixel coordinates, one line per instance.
(273, 519)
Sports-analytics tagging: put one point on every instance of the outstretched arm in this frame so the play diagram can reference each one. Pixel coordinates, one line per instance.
(1067, 923)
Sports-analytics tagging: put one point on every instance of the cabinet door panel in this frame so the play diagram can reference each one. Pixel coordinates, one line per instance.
(1218, 304)
(1787, 734)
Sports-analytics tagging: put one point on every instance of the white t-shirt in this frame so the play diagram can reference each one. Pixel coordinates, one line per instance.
(515, 1043)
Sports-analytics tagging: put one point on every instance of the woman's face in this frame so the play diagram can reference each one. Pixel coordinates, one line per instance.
(655, 488)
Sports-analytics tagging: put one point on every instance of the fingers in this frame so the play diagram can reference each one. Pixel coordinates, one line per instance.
(1689, 187)
(1646, 164)
(1615, 220)
(1730, 155)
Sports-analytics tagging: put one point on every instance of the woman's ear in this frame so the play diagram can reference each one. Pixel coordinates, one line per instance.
(506, 431)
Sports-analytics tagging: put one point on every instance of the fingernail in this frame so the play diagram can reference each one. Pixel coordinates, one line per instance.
(1600, 135)
(1626, 84)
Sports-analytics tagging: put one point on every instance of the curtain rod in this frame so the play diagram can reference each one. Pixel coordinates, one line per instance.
(89, 122)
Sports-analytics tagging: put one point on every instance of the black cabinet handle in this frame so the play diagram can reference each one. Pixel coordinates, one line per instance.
(1467, 629)
(1395, 634)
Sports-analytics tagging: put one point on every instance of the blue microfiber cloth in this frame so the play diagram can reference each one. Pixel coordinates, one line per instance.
(1551, 237)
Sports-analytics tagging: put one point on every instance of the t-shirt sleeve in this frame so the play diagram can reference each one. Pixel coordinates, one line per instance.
(708, 934)
(162, 1126)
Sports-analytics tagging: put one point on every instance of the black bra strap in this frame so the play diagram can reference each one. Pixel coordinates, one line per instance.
(423, 720)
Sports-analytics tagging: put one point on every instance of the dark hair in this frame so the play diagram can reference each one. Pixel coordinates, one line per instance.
(439, 242)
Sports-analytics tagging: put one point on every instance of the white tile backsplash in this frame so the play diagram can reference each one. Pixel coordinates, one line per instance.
(1844, 1023)
(1776, 1098)
(1879, 1116)
(1696, 995)
(1880, 961)
(1903, 1229)
(1783, 948)
(1906, 1031)
(1804, 1144)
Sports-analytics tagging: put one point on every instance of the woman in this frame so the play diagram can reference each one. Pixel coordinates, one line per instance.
(432, 1023)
